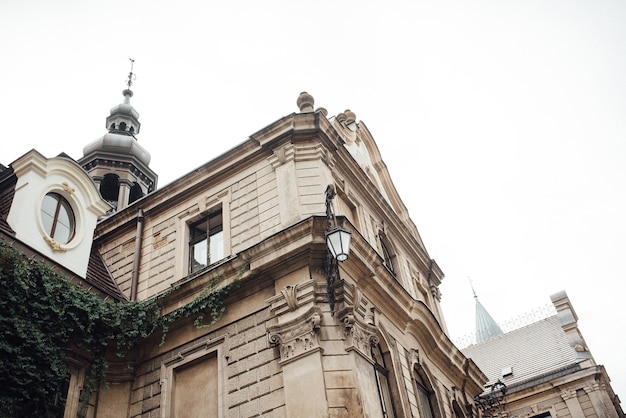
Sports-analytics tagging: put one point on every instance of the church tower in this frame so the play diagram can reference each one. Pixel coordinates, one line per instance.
(116, 161)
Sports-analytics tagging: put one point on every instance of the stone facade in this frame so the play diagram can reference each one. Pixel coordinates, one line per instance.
(291, 343)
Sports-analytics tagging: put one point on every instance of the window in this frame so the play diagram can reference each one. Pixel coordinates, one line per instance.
(382, 381)
(206, 242)
(423, 398)
(388, 256)
(58, 218)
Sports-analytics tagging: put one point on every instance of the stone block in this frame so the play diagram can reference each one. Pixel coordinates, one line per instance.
(263, 371)
(151, 403)
(272, 400)
(247, 378)
(276, 382)
(249, 409)
(259, 389)
(237, 367)
(236, 340)
(338, 379)
(237, 398)
(337, 362)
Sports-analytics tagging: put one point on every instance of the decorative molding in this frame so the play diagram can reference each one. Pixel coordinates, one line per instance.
(54, 245)
(414, 357)
(304, 294)
(434, 290)
(291, 297)
(358, 335)
(569, 394)
(67, 188)
(180, 359)
(282, 155)
(298, 337)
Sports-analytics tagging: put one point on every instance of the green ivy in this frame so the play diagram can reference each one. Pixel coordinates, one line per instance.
(42, 314)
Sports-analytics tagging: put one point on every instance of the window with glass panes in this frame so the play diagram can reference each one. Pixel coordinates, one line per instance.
(57, 218)
(382, 382)
(423, 396)
(206, 241)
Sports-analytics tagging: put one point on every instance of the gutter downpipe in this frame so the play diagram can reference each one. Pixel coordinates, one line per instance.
(134, 283)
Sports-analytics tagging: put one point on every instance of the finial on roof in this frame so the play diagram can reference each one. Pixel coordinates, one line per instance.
(322, 111)
(305, 102)
(350, 116)
(128, 93)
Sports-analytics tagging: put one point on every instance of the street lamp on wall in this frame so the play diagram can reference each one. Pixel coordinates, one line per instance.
(492, 403)
(337, 247)
(338, 242)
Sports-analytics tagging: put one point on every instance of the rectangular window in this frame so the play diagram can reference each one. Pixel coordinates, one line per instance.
(206, 241)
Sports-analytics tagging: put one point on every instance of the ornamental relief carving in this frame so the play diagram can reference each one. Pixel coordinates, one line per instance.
(298, 337)
(358, 335)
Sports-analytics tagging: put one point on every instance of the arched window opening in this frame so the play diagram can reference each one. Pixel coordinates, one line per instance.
(132, 130)
(382, 382)
(123, 126)
(58, 218)
(425, 396)
(458, 411)
(112, 127)
(110, 187)
(135, 193)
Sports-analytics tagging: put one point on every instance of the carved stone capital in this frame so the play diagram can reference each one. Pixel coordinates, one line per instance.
(358, 335)
(298, 337)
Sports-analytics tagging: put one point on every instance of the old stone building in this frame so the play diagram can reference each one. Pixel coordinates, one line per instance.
(543, 369)
(305, 333)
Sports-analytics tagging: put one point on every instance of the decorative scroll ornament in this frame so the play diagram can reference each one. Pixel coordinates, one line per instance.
(298, 337)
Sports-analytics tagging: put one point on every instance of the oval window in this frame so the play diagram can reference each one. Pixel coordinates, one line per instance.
(58, 218)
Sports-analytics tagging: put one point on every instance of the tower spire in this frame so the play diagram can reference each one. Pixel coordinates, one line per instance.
(486, 326)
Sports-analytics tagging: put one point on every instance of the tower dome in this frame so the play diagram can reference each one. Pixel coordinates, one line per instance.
(116, 161)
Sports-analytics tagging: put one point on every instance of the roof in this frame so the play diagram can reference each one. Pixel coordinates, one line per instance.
(99, 276)
(531, 351)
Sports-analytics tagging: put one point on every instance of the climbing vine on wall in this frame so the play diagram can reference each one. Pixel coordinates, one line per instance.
(42, 314)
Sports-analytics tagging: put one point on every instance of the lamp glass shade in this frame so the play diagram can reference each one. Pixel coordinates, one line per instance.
(338, 242)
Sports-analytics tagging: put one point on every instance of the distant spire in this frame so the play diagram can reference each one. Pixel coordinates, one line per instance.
(486, 326)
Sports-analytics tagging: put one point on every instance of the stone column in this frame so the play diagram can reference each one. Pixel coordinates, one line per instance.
(297, 338)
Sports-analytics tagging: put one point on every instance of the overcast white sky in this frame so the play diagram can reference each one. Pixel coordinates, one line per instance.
(502, 123)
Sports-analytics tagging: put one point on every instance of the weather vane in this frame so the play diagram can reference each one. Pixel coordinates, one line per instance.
(131, 75)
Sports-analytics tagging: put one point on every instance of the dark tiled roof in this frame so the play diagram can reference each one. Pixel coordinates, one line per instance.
(531, 351)
(7, 191)
(98, 275)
